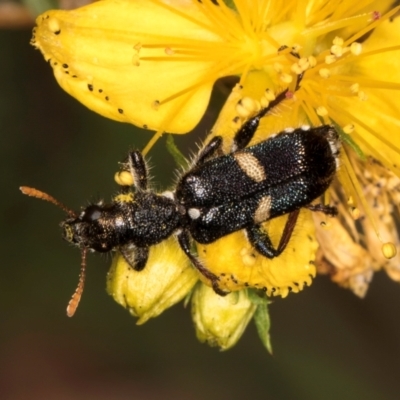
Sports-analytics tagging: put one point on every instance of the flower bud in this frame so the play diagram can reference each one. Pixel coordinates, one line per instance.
(167, 278)
(220, 320)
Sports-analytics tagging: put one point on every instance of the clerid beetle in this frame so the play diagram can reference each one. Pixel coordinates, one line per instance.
(218, 195)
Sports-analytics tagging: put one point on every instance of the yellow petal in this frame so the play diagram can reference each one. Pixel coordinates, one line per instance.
(117, 57)
(167, 278)
(238, 265)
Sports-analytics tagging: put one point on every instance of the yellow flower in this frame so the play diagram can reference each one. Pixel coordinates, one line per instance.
(153, 63)
(341, 85)
(132, 60)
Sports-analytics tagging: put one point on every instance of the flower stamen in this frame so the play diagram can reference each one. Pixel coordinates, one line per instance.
(373, 25)
(361, 197)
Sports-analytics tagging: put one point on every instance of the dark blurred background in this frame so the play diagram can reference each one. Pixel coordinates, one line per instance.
(327, 343)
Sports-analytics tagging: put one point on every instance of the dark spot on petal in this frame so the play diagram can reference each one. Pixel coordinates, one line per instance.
(145, 126)
(57, 32)
(90, 87)
(120, 110)
(100, 90)
(107, 98)
(65, 65)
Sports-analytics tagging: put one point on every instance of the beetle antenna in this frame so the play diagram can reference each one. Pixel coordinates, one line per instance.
(76, 297)
(44, 196)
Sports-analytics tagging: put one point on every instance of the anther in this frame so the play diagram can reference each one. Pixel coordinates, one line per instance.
(330, 59)
(324, 73)
(389, 250)
(356, 48)
(321, 111)
(348, 129)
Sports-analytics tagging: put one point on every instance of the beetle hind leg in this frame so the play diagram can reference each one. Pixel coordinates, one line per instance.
(328, 210)
(262, 242)
(184, 242)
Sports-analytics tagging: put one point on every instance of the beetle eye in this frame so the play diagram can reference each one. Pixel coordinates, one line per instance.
(92, 213)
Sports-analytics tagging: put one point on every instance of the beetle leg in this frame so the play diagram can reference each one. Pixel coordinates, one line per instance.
(209, 150)
(135, 256)
(297, 55)
(246, 132)
(328, 210)
(138, 170)
(262, 242)
(184, 242)
(249, 128)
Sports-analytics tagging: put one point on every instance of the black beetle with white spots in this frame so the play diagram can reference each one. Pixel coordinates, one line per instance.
(218, 195)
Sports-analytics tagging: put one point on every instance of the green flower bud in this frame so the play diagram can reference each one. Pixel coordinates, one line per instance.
(167, 278)
(220, 321)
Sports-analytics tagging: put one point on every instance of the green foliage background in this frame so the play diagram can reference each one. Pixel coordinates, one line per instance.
(327, 343)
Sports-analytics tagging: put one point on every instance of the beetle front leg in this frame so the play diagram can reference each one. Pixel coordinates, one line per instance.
(135, 256)
(262, 242)
(246, 132)
(138, 169)
(184, 242)
(249, 128)
(209, 150)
